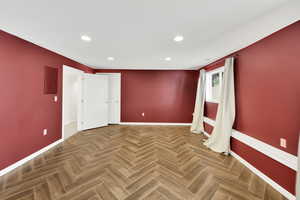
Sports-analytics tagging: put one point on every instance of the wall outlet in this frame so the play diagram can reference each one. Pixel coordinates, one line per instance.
(143, 114)
(45, 132)
(283, 142)
(55, 98)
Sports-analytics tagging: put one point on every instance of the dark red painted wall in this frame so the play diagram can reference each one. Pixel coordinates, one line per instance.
(163, 95)
(24, 110)
(210, 110)
(267, 81)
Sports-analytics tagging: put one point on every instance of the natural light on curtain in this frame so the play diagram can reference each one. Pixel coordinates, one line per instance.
(198, 116)
(219, 140)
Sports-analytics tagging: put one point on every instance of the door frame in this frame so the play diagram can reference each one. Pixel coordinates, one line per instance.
(120, 91)
(73, 70)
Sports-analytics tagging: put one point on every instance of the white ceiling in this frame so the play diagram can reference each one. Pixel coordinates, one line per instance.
(137, 33)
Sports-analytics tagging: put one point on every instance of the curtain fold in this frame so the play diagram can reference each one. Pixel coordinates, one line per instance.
(219, 141)
(198, 115)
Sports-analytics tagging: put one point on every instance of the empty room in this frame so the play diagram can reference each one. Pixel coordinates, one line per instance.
(152, 100)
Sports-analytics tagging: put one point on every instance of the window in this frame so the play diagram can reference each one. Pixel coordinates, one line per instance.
(214, 80)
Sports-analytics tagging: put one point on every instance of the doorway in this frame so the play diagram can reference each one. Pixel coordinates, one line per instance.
(71, 96)
(89, 100)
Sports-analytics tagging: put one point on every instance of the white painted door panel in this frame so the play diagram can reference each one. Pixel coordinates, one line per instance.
(114, 98)
(94, 105)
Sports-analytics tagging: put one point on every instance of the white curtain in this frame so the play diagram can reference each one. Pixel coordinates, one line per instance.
(198, 116)
(219, 140)
(298, 173)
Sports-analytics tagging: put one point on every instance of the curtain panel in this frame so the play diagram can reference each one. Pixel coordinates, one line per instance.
(198, 115)
(219, 141)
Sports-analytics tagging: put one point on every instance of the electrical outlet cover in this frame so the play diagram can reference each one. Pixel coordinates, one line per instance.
(283, 142)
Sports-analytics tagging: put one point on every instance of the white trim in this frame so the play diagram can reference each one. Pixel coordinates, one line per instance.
(79, 72)
(155, 123)
(28, 158)
(209, 121)
(276, 186)
(283, 157)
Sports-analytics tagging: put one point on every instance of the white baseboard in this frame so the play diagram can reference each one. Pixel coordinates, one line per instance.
(283, 157)
(276, 186)
(28, 158)
(155, 123)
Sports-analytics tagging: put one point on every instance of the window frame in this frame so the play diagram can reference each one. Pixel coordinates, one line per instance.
(208, 85)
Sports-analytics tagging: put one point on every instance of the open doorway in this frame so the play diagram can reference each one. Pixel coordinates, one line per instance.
(89, 100)
(71, 100)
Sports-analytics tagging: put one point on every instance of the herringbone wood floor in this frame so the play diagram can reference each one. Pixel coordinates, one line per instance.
(134, 162)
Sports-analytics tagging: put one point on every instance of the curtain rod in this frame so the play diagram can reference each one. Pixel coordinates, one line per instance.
(236, 55)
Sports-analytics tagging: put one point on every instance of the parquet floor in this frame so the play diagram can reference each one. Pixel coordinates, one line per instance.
(134, 162)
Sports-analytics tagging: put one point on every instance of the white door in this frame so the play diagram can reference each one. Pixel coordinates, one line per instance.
(94, 103)
(114, 95)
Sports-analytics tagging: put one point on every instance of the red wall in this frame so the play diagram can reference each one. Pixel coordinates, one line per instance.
(267, 81)
(163, 95)
(24, 110)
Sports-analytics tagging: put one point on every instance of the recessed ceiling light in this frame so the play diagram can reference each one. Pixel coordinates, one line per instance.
(178, 38)
(86, 38)
(110, 58)
(168, 58)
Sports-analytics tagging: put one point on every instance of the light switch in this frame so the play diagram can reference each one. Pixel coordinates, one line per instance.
(45, 132)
